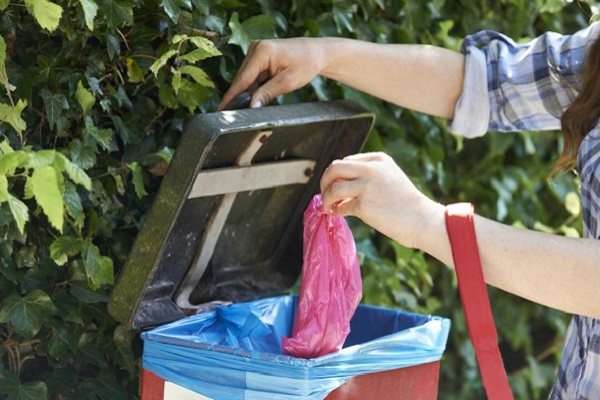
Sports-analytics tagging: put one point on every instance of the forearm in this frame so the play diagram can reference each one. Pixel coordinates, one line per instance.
(552, 270)
(423, 78)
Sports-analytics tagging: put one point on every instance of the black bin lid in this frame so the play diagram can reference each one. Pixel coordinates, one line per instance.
(226, 224)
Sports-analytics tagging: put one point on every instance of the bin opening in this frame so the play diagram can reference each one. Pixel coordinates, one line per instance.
(220, 356)
(215, 330)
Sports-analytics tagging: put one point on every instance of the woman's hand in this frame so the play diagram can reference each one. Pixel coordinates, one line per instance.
(373, 188)
(278, 66)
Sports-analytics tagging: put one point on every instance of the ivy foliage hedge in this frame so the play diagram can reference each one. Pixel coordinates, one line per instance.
(95, 94)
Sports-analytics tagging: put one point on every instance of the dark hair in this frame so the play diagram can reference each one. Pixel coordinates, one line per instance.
(583, 113)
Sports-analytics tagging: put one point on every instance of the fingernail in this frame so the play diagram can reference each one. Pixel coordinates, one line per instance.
(257, 104)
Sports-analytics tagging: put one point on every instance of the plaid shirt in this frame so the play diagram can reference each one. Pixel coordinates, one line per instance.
(516, 87)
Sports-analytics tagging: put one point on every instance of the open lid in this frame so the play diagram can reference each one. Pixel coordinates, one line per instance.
(226, 224)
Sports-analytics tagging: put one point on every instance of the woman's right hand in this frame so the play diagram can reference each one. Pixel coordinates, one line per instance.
(276, 67)
(372, 187)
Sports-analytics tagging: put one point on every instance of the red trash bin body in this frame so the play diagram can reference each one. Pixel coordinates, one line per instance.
(419, 382)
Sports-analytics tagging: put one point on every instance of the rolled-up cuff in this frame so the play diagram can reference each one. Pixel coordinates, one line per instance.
(472, 113)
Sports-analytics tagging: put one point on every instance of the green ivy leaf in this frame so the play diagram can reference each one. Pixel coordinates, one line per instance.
(102, 136)
(90, 9)
(572, 203)
(69, 309)
(4, 4)
(198, 75)
(569, 231)
(119, 183)
(232, 4)
(5, 147)
(108, 387)
(138, 180)
(3, 76)
(10, 274)
(116, 12)
(63, 248)
(257, 27)
(161, 61)
(28, 189)
(123, 99)
(173, 7)
(27, 314)
(47, 187)
(9, 382)
(134, 72)
(539, 226)
(83, 156)
(113, 45)
(74, 205)
(47, 14)
(41, 158)
(552, 6)
(82, 292)
(75, 173)
(86, 99)
(343, 18)
(11, 386)
(166, 153)
(202, 5)
(216, 21)
(122, 129)
(89, 353)
(3, 188)
(19, 211)
(33, 391)
(95, 86)
(54, 103)
(123, 338)
(58, 345)
(12, 115)
(99, 269)
(11, 161)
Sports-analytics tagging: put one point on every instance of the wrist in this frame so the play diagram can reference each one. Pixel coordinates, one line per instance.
(430, 234)
(334, 54)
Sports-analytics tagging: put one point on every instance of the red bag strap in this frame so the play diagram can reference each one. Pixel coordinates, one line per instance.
(475, 301)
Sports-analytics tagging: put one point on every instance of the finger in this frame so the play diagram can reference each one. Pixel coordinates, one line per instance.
(339, 192)
(341, 170)
(252, 69)
(364, 157)
(238, 86)
(262, 78)
(345, 208)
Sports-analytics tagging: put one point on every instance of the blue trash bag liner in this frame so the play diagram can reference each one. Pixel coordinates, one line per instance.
(234, 352)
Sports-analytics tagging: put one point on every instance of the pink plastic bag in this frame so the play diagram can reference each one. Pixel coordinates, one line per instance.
(331, 285)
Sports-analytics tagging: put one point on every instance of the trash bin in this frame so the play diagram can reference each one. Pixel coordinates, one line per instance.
(224, 235)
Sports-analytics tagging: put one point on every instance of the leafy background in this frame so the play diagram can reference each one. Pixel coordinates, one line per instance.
(95, 94)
